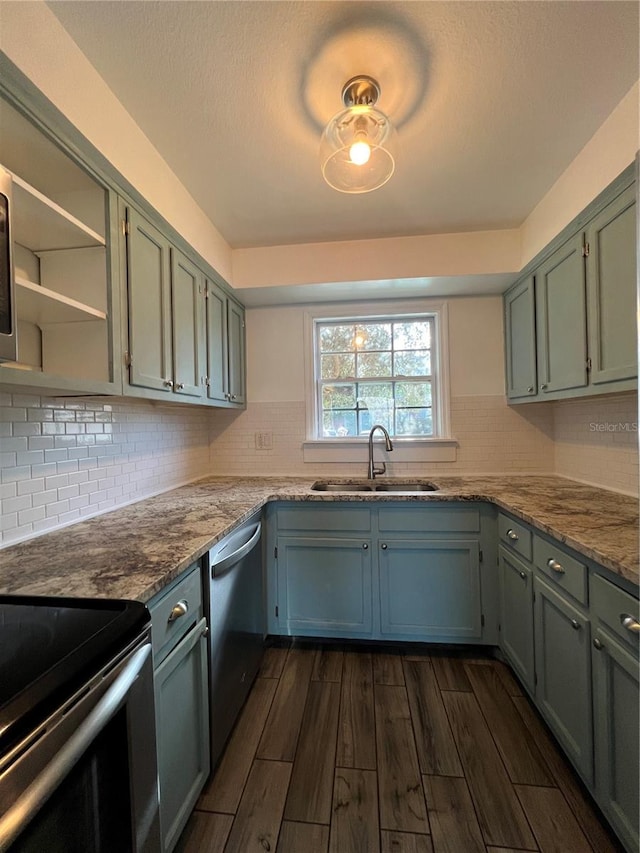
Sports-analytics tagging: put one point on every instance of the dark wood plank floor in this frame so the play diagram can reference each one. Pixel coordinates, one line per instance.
(377, 751)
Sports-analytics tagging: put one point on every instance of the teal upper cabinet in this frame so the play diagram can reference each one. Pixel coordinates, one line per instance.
(64, 245)
(235, 320)
(149, 301)
(520, 339)
(166, 341)
(570, 323)
(611, 284)
(189, 337)
(225, 348)
(561, 319)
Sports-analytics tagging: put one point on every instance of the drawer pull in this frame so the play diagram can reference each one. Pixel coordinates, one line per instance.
(575, 624)
(555, 565)
(523, 575)
(597, 644)
(384, 546)
(630, 623)
(512, 535)
(365, 546)
(179, 609)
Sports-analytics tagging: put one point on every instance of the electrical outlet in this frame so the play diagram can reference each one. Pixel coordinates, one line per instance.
(264, 440)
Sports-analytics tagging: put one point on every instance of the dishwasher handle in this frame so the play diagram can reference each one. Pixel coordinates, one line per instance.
(218, 569)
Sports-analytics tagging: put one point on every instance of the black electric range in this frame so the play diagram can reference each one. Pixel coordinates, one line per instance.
(50, 647)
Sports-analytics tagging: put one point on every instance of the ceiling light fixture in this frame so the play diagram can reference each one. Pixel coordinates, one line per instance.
(358, 144)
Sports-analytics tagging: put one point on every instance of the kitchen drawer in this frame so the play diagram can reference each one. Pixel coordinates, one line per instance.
(612, 605)
(429, 519)
(337, 518)
(567, 572)
(184, 595)
(515, 535)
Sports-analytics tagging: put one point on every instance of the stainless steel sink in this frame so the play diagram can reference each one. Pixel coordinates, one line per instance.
(375, 486)
(405, 487)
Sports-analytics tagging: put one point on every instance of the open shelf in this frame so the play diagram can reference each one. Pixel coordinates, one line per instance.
(42, 225)
(42, 306)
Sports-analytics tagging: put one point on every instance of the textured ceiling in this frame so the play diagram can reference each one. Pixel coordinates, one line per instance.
(492, 101)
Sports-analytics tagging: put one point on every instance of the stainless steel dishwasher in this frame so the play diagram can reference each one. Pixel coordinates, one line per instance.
(236, 625)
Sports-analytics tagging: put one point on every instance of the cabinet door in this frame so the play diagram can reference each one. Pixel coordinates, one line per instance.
(520, 339)
(235, 326)
(563, 669)
(324, 586)
(562, 319)
(149, 292)
(516, 615)
(430, 589)
(611, 283)
(182, 723)
(616, 710)
(187, 299)
(217, 344)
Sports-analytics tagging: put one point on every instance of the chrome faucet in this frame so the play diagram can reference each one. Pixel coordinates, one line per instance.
(372, 471)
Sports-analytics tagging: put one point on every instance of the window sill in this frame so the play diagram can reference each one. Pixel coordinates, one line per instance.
(404, 450)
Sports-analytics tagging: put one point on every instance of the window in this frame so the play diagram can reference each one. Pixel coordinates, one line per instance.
(375, 372)
(372, 369)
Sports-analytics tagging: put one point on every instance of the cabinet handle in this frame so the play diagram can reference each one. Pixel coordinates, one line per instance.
(365, 546)
(544, 386)
(233, 397)
(179, 386)
(530, 389)
(384, 546)
(597, 644)
(178, 610)
(555, 565)
(168, 383)
(523, 575)
(512, 535)
(227, 395)
(575, 624)
(629, 623)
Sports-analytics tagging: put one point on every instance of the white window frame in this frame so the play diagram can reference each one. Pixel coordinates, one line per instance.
(438, 448)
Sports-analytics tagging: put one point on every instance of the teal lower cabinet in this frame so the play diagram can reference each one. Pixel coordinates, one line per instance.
(616, 708)
(324, 586)
(383, 571)
(563, 669)
(430, 590)
(516, 615)
(181, 688)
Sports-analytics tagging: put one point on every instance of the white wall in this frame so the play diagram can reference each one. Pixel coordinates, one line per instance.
(35, 41)
(610, 150)
(275, 350)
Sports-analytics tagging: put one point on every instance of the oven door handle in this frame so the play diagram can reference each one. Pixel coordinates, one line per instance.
(38, 792)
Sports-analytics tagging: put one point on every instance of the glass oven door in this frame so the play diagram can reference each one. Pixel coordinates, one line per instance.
(85, 781)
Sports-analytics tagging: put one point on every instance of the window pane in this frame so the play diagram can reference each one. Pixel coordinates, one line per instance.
(338, 366)
(368, 390)
(412, 363)
(412, 335)
(374, 364)
(414, 422)
(337, 338)
(373, 336)
(338, 424)
(413, 393)
(339, 397)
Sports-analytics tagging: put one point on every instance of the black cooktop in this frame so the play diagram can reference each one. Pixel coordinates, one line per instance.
(49, 647)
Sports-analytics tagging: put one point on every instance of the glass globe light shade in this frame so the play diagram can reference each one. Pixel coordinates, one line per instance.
(357, 150)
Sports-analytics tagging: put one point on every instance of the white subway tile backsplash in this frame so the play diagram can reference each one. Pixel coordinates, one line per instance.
(129, 449)
(64, 460)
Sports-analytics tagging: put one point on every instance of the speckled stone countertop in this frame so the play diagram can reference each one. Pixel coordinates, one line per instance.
(135, 551)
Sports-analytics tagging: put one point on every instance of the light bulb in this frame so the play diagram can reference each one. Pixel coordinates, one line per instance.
(359, 153)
